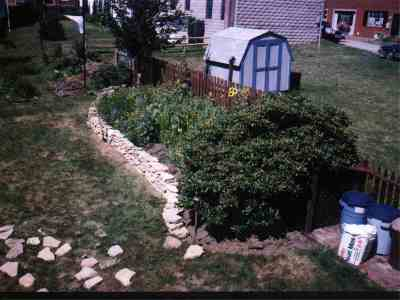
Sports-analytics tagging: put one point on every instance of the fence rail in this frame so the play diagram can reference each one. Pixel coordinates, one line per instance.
(380, 182)
(215, 88)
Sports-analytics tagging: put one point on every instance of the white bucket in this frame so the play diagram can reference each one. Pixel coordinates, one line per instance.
(356, 242)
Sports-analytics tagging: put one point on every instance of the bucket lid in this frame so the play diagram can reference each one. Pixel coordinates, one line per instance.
(383, 212)
(356, 229)
(354, 198)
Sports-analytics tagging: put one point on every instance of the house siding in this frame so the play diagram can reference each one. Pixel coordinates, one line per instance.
(198, 10)
(295, 19)
(392, 7)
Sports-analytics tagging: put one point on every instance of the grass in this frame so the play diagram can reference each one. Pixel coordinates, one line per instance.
(54, 178)
(363, 85)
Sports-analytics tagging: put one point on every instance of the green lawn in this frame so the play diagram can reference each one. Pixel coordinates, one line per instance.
(362, 84)
(54, 178)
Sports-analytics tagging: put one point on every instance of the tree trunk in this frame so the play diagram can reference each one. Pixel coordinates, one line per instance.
(311, 203)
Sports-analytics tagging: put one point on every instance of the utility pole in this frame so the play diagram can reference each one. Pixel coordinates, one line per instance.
(84, 9)
(8, 16)
(320, 24)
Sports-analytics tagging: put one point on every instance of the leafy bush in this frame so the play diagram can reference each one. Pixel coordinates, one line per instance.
(24, 88)
(152, 115)
(242, 165)
(260, 156)
(108, 75)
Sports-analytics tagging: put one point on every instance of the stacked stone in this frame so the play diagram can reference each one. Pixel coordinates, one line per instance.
(156, 173)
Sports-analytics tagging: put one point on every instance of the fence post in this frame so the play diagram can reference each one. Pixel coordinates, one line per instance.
(311, 203)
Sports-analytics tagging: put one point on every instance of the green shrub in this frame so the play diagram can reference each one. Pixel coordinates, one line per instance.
(243, 165)
(24, 88)
(108, 75)
(259, 156)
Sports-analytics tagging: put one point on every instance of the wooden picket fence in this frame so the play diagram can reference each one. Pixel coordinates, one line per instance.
(214, 88)
(382, 183)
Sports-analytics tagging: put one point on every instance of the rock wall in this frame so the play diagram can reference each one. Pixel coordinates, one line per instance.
(155, 172)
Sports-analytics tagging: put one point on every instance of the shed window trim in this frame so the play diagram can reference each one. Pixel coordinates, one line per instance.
(187, 4)
(209, 9)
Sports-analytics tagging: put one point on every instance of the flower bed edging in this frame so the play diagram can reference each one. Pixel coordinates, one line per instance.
(155, 172)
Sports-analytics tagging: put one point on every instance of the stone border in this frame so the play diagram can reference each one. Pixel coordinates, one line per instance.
(156, 173)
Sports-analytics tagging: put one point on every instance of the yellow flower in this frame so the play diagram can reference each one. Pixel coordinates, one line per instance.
(232, 92)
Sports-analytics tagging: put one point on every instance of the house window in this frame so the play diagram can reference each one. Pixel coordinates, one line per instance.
(222, 9)
(375, 19)
(187, 4)
(209, 9)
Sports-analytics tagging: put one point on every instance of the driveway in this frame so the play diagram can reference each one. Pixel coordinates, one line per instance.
(361, 45)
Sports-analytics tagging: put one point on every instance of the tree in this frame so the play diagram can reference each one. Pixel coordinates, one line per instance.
(95, 7)
(141, 26)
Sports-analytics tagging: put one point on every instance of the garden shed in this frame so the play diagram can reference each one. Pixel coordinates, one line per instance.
(250, 57)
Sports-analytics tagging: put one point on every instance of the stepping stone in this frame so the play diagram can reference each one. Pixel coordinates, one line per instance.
(92, 282)
(85, 273)
(5, 234)
(89, 262)
(171, 215)
(180, 232)
(6, 228)
(124, 276)
(10, 268)
(16, 251)
(44, 290)
(64, 249)
(49, 241)
(172, 227)
(193, 251)
(33, 241)
(27, 280)
(172, 243)
(12, 242)
(115, 250)
(107, 263)
(46, 255)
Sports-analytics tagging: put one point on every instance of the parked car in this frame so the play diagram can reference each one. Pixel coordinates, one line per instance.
(328, 33)
(390, 51)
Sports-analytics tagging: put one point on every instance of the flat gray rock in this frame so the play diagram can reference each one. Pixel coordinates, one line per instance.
(49, 241)
(10, 268)
(64, 249)
(85, 273)
(16, 251)
(89, 262)
(46, 254)
(12, 242)
(5, 234)
(27, 280)
(193, 251)
(124, 276)
(92, 282)
(115, 250)
(172, 243)
(34, 241)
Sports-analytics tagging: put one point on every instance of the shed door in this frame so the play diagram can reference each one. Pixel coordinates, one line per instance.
(267, 66)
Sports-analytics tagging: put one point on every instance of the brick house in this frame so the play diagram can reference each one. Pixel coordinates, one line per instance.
(364, 18)
(295, 19)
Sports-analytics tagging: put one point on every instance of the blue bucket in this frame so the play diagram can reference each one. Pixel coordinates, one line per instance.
(353, 208)
(382, 216)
